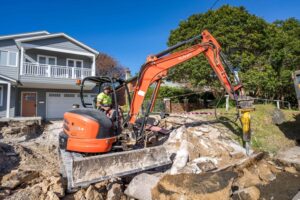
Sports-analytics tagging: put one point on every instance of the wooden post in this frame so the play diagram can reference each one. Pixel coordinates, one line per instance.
(167, 104)
(278, 104)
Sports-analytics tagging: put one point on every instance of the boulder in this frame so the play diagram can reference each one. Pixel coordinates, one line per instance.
(208, 186)
(147, 181)
(278, 116)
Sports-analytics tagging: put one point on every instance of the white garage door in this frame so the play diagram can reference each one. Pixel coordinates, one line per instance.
(58, 103)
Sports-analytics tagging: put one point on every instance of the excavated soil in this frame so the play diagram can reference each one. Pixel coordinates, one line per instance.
(208, 165)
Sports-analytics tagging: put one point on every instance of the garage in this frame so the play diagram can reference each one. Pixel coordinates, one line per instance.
(58, 103)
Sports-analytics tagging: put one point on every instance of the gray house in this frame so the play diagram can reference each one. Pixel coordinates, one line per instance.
(38, 72)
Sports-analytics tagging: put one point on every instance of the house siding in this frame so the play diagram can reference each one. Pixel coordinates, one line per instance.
(12, 101)
(61, 57)
(58, 42)
(12, 72)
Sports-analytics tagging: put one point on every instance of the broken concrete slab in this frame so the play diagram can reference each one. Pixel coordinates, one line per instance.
(290, 156)
(140, 187)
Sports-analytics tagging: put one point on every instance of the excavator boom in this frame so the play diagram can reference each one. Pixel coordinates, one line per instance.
(157, 66)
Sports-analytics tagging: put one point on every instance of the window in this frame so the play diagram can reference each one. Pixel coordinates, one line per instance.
(8, 58)
(54, 95)
(1, 95)
(74, 63)
(47, 60)
(69, 95)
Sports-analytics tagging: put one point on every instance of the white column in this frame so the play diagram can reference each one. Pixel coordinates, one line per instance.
(8, 100)
(227, 102)
(94, 66)
(22, 61)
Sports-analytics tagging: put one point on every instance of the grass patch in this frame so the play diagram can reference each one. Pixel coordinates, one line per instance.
(267, 136)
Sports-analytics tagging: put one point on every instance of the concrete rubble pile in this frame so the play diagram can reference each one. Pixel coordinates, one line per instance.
(207, 164)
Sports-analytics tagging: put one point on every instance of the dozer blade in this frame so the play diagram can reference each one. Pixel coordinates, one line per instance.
(82, 171)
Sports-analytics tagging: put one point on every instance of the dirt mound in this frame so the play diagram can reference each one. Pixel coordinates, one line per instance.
(195, 186)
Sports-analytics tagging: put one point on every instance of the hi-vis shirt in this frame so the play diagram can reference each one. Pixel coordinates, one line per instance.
(104, 99)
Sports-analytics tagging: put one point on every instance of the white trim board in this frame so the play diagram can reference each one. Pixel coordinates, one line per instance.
(7, 78)
(1, 99)
(36, 101)
(58, 35)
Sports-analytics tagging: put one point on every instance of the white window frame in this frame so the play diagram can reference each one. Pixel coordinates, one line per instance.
(47, 59)
(7, 61)
(75, 60)
(2, 94)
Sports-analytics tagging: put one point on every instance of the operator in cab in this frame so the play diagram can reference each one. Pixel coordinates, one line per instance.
(104, 102)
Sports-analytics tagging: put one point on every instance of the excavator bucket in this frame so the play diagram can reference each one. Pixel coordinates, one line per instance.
(81, 171)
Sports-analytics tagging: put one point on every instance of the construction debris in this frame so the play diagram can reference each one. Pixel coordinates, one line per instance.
(135, 190)
(208, 186)
(207, 164)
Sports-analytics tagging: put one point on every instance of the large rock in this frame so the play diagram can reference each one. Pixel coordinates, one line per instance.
(290, 156)
(141, 185)
(208, 186)
(278, 117)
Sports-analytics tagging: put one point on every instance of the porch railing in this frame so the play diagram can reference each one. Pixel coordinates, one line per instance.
(54, 71)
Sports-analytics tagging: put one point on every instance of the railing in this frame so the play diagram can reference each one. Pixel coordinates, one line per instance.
(54, 71)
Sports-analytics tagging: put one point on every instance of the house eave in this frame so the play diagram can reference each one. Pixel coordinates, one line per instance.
(6, 37)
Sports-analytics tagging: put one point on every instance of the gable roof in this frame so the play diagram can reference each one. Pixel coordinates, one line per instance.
(41, 37)
(29, 34)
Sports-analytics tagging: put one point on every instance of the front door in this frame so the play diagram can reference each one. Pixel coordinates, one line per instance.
(28, 104)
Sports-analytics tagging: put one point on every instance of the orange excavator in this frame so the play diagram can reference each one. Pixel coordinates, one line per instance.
(94, 147)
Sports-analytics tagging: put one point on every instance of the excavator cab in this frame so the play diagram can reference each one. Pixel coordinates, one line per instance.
(87, 129)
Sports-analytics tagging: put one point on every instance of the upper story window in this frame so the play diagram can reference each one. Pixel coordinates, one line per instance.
(47, 60)
(8, 58)
(1, 95)
(74, 63)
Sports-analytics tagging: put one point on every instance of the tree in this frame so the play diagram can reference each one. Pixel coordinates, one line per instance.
(266, 53)
(108, 66)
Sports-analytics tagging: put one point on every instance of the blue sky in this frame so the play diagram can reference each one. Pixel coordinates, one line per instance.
(127, 30)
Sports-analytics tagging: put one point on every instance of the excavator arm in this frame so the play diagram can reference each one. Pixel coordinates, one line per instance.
(158, 65)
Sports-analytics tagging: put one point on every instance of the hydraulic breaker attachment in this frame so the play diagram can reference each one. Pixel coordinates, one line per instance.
(81, 171)
(246, 126)
(245, 105)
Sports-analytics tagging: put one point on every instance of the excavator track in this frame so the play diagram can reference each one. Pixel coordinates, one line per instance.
(82, 171)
